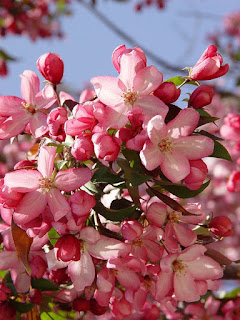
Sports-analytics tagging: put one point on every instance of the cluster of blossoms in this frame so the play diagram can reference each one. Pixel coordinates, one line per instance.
(96, 209)
(32, 18)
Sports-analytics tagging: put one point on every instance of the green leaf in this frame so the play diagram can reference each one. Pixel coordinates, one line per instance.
(6, 56)
(114, 215)
(201, 231)
(182, 191)
(43, 284)
(205, 117)
(220, 152)
(51, 316)
(3, 274)
(103, 175)
(21, 307)
(232, 294)
(176, 80)
(61, 165)
(53, 236)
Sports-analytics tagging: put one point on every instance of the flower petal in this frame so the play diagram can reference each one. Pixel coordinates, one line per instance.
(38, 124)
(10, 106)
(152, 106)
(46, 161)
(205, 268)
(30, 86)
(151, 156)
(71, 179)
(147, 80)
(185, 288)
(23, 180)
(13, 126)
(58, 204)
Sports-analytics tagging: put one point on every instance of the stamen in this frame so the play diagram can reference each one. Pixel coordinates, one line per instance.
(28, 107)
(45, 185)
(130, 97)
(165, 145)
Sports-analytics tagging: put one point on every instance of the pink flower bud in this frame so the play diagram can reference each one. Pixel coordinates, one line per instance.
(105, 146)
(233, 184)
(167, 92)
(38, 267)
(131, 230)
(202, 96)
(51, 67)
(35, 296)
(81, 203)
(82, 148)
(80, 304)
(209, 66)
(56, 120)
(198, 171)
(68, 248)
(221, 226)
(3, 68)
(5, 292)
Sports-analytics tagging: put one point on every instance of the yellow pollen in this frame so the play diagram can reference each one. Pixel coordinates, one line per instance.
(130, 97)
(28, 107)
(45, 184)
(165, 145)
(179, 267)
(174, 217)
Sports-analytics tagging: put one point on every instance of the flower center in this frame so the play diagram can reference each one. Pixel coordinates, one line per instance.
(28, 107)
(165, 145)
(174, 217)
(130, 97)
(45, 185)
(138, 243)
(179, 267)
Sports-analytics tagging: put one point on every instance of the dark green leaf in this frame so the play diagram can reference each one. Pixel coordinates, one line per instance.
(103, 175)
(183, 192)
(220, 152)
(21, 307)
(205, 117)
(114, 215)
(43, 284)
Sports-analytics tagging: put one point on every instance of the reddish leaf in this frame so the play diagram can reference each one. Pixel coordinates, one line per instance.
(22, 243)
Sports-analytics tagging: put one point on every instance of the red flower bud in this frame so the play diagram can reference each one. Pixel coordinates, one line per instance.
(167, 92)
(51, 67)
(80, 304)
(202, 96)
(68, 248)
(35, 296)
(221, 226)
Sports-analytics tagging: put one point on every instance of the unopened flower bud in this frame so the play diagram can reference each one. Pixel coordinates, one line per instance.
(80, 304)
(38, 267)
(221, 226)
(68, 248)
(167, 92)
(35, 296)
(202, 96)
(51, 67)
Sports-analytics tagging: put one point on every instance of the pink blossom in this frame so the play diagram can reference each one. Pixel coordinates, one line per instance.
(233, 184)
(185, 273)
(170, 146)
(209, 66)
(44, 188)
(83, 148)
(18, 113)
(221, 226)
(106, 147)
(196, 177)
(56, 120)
(230, 130)
(132, 88)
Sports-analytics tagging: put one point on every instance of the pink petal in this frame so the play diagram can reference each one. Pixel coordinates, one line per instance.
(108, 90)
(151, 156)
(20, 278)
(58, 204)
(71, 179)
(107, 248)
(183, 124)
(90, 235)
(194, 147)
(147, 80)
(46, 161)
(192, 253)
(13, 126)
(82, 272)
(45, 98)
(10, 106)
(185, 288)
(175, 166)
(184, 236)
(23, 180)
(163, 285)
(157, 213)
(38, 124)
(129, 279)
(152, 106)
(8, 259)
(30, 86)
(52, 261)
(30, 207)
(205, 268)
(156, 129)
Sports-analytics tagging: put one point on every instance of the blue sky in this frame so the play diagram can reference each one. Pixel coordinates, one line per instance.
(177, 34)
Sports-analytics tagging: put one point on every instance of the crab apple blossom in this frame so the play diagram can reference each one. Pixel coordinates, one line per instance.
(132, 88)
(198, 171)
(51, 67)
(185, 274)
(201, 97)
(170, 146)
(17, 113)
(68, 248)
(44, 187)
(209, 66)
(221, 226)
(83, 148)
